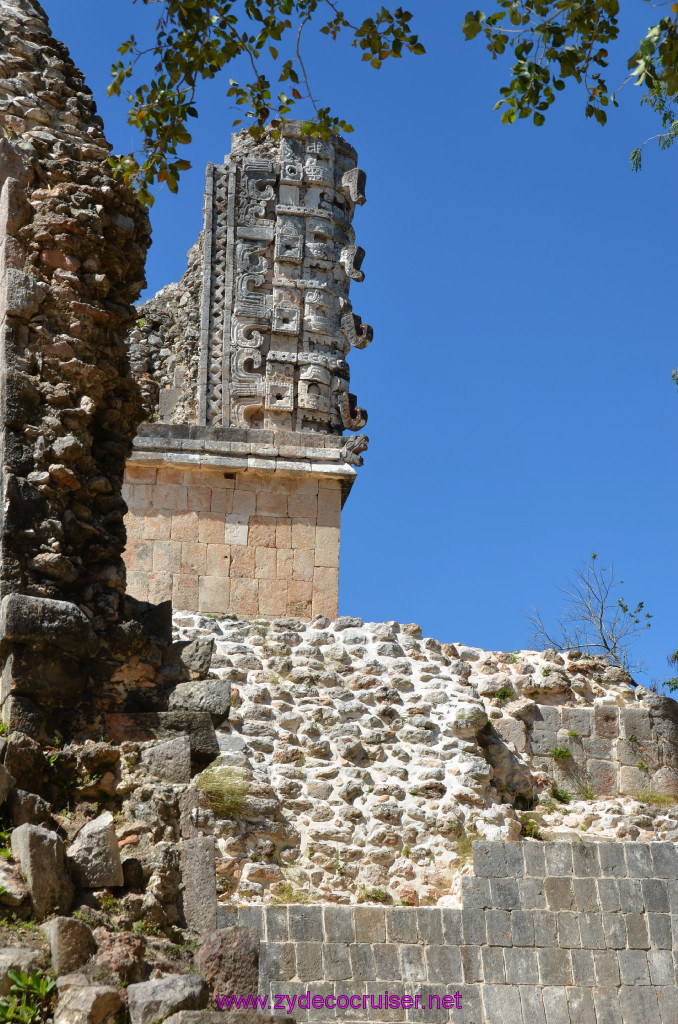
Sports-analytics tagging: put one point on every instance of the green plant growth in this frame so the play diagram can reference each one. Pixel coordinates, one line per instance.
(573, 733)
(642, 767)
(646, 796)
(586, 791)
(224, 789)
(505, 693)
(5, 850)
(561, 795)
(373, 896)
(30, 998)
(4, 729)
(289, 893)
(531, 829)
(560, 753)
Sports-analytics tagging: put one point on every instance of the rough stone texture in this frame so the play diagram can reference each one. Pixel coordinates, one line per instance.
(199, 887)
(94, 856)
(72, 248)
(17, 958)
(42, 858)
(92, 1004)
(71, 943)
(150, 1001)
(229, 960)
(368, 756)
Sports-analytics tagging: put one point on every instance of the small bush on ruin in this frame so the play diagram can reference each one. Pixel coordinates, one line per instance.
(646, 796)
(224, 789)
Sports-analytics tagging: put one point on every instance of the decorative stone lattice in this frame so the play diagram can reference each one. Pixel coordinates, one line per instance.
(279, 254)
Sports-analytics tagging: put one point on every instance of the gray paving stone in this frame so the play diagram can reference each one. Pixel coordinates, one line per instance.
(612, 860)
(614, 927)
(585, 860)
(293, 988)
(582, 967)
(660, 931)
(277, 961)
(522, 928)
(387, 961)
(559, 893)
(555, 966)
(475, 893)
(673, 896)
(498, 927)
(638, 1003)
(318, 991)
(534, 858)
(310, 961)
(585, 894)
(337, 961)
(473, 926)
(608, 894)
(667, 998)
(471, 1004)
(394, 988)
(545, 930)
(606, 966)
(555, 1005)
(339, 926)
(431, 925)
(568, 930)
(452, 925)
(401, 924)
(413, 963)
(531, 893)
(639, 860)
(664, 860)
(592, 934)
(532, 1006)
(558, 858)
(471, 965)
(633, 968)
(431, 1007)
(660, 964)
(494, 970)
(521, 966)
(580, 1003)
(253, 917)
(497, 859)
(443, 964)
(631, 895)
(277, 928)
(636, 931)
(606, 1003)
(502, 1004)
(358, 988)
(305, 923)
(362, 961)
(655, 895)
(505, 894)
(370, 924)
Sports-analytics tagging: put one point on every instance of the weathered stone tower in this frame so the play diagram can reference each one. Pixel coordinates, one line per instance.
(236, 483)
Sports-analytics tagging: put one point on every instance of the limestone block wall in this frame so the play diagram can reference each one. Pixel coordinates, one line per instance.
(547, 933)
(215, 540)
(611, 750)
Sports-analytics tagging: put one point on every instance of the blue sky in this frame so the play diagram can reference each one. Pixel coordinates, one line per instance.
(521, 283)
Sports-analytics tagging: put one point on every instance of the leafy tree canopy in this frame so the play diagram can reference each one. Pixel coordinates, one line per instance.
(550, 42)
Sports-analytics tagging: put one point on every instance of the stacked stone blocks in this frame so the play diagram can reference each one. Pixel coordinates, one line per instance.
(260, 544)
(547, 933)
(611, 750)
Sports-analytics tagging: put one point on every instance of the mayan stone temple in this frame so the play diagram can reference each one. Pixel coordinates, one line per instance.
(235, 486)
(220, 801)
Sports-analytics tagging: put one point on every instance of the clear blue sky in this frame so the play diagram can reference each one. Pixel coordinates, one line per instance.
(522, 284)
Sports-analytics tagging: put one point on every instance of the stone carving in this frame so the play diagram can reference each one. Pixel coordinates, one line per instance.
(278, 257)
(352, 449)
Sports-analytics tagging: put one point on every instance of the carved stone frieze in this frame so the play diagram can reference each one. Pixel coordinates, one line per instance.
(279, 255)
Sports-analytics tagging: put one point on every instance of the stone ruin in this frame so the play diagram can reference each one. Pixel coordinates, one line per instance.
(237, 479)
(267, 798)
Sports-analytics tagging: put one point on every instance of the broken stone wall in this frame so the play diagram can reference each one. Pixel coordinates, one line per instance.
(72, 248)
